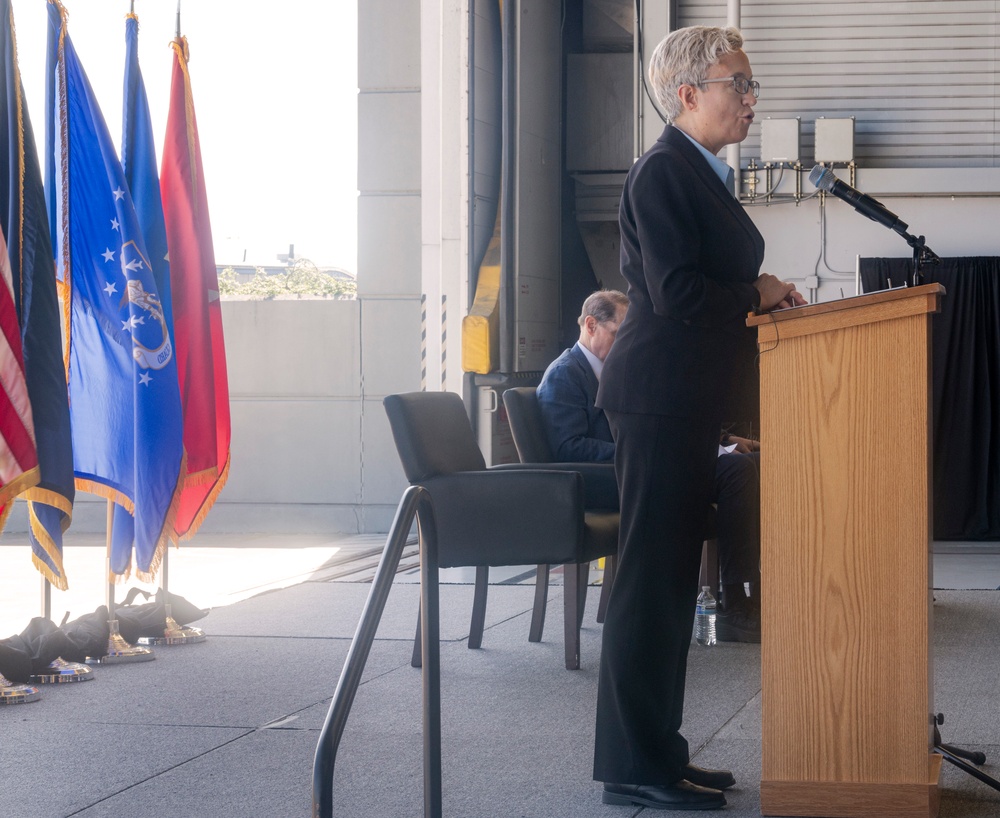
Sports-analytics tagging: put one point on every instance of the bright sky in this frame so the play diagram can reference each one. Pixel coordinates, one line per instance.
(275, 94)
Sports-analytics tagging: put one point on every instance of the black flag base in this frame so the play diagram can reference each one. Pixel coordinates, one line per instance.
(119, 651)
(11, 693)
(60, 671)
(174, 634)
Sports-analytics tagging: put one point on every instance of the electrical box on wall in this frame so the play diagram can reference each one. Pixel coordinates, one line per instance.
(834, 140)
(779, 140)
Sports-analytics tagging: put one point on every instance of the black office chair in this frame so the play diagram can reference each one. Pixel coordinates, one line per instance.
(600, 488)
(504, 515)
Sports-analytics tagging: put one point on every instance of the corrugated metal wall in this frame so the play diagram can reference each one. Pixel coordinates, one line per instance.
(920, 78)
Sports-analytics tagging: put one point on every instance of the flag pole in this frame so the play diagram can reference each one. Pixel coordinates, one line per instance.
(46, 597)
(119, 651)
(178, 34)
(173, 632)
(59, 670)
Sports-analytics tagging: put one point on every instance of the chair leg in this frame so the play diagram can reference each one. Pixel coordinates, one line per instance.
(479, 607)
(571, 614)
(610, 563)
(541, 600)
(581, 590)
(417, 659)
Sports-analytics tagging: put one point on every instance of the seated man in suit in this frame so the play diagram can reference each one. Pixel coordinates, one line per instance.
(579, 432)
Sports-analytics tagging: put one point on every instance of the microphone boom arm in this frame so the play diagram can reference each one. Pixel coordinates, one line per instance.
(825, 180)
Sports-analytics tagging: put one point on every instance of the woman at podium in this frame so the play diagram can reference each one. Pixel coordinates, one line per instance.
(681, 365)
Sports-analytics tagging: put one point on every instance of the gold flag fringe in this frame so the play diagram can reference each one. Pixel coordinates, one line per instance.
(55, 580)
(168, 528)
(166, 534)
(209, 501)
(202, 478)
(108, 493)
(37, 494)
(15, 487)
(46, 497)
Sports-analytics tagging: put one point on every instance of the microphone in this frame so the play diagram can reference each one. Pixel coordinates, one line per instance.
(824, 179)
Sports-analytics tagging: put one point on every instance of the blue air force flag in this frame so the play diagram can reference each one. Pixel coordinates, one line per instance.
(124, 397)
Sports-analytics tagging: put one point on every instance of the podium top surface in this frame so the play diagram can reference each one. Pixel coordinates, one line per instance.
(853, 310)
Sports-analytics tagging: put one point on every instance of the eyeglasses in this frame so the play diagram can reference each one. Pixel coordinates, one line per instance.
(741, 85)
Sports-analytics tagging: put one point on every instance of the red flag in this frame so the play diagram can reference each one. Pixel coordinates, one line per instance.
(18, 456)
(201, 351)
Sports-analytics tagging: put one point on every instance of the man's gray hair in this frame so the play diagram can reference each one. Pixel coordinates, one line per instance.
(683, 57)
(603, 305)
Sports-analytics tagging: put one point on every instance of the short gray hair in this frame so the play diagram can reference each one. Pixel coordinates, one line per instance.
(603, 305)
(683, 57)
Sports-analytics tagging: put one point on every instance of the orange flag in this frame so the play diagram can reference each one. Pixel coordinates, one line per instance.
(201, 350)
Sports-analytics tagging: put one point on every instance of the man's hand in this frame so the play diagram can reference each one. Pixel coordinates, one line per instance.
(744, 445)
(776, 294)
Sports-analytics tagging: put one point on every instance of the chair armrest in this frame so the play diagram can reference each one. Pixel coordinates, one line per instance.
(600, 487)
(508, 516)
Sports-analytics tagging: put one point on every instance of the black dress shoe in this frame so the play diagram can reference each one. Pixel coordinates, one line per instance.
(682, 795)
(716, 779)
(737, 626)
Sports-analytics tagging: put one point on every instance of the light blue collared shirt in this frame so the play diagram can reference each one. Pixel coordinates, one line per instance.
(722, 170)
(595, 363)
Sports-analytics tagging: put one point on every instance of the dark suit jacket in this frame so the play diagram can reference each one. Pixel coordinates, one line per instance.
(690, 254)
(577, 430)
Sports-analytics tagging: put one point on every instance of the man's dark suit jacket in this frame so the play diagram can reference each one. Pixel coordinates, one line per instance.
(577, 430)
(684, 349)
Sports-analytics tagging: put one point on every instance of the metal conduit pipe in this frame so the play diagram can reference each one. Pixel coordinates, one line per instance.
(733, 10)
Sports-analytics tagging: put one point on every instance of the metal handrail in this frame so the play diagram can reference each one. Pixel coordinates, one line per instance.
(416, 502)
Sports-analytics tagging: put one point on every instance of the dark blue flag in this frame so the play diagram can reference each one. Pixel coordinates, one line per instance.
(139, 164)
(123, 391)
(29, 248)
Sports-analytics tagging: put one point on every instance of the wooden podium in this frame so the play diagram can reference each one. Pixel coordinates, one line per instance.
(847, 679)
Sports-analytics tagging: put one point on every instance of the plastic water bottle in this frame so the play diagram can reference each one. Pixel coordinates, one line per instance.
(704, 618)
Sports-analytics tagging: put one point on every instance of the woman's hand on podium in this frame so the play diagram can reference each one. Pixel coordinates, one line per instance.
(776, 294)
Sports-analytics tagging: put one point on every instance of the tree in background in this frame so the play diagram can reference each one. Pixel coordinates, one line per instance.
(302, 280)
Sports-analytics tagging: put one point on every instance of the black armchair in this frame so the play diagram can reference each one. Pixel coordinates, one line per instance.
(600, 488)
(504, 515)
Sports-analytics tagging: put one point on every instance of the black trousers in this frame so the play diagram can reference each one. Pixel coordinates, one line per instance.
(665, 468)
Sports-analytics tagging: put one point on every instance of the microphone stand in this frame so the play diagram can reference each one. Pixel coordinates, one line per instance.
(922, 254)
(961, 757)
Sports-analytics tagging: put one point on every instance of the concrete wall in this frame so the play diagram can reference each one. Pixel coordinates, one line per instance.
(311, 448)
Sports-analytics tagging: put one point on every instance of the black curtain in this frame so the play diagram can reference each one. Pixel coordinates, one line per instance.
(966, 389)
